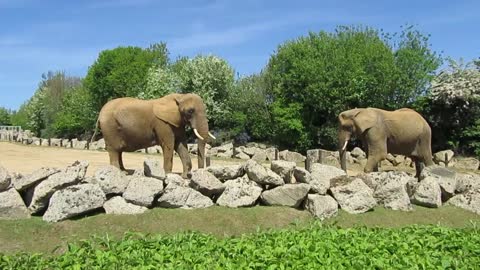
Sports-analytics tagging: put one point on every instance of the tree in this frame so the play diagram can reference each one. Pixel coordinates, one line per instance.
(453, 108)
(5, 116)
(161, 80)
(313, 78)
(122, 72)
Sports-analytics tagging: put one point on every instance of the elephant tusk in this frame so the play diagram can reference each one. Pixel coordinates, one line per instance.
(345, 145)
(210, 134)
(197, 134)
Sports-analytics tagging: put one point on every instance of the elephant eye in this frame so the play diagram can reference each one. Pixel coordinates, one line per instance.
(190, 111)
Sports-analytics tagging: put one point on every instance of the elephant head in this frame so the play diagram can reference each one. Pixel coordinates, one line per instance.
(353, 123)
(185, 109)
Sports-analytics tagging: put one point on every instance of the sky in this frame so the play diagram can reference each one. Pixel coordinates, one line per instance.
(40, 36)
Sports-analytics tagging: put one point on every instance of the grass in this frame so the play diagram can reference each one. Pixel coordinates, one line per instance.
(35, 235)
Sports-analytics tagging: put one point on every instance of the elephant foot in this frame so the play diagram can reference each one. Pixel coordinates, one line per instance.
(187, 175)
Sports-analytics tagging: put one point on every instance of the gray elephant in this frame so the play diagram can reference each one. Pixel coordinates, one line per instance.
(403, 131)
(129, 124)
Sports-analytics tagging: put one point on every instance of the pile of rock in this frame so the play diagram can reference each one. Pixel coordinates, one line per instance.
(58, 194)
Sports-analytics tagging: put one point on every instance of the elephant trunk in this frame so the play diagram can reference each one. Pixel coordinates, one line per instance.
(200, 128)
(343, 138)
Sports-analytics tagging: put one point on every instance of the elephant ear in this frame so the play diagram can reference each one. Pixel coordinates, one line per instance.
(166, 109)
(365, 119)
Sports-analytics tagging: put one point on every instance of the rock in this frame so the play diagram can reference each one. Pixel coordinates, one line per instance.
(227, 154)
(467, 164)
(5, 179)
(240, 192)
(66, 143)
(143, 190)
(446, 179)
(256, 145)
(173, 179)
(321, 175)
(36, 141)
(291, 156)
(119, 206)
(34, 178)
(440, 156)
(206, 183)
(428, 193)
(284, 169)
(249, 150)
(73, 201)
(270, 152)
(111, 179)
(193, 148)
(321, 206)
(301, 175)
(183, 197)
(101, 144)
(467, 182)
(79, 144)
(287, 195)
(375, 179)
(358, 153)
(262, 175)
(225, 148)
(153, 168)
(259, 156)
(45, 142)
(227, 172)
(55, 142)
(71, 175)
(353, 195)
(469, 201)
(12, 205)
(392, 190)
(240, 155)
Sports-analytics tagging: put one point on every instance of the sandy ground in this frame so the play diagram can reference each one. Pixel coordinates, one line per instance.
(25, 159)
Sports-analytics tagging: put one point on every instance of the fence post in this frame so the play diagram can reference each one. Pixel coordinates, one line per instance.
(275, 154)
(446, 160)
(207, 162)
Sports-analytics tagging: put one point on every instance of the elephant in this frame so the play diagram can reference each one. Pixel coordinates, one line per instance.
(129, 124)
(403, 131)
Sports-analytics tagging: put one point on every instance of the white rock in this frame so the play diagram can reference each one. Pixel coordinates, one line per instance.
(12, 205)
(391, 191)
(227, 172)
(471, 164)
(353, 195)
(469, 201)
(287, 195)
(291, 156)
(428, 193)
(143, 190)
(301, 175)
(34, 178)
(240, 192)
(173, 179)
(119, 206)
(5, 179)
(446, 179)
(153, 168)
(206, 183)
(183, 197)
(321, 175)
(262, 175)
(111, 179)
(284, 169)
(467, 182)
(321, 206)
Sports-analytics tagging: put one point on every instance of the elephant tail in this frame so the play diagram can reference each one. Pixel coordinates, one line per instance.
(97, 126)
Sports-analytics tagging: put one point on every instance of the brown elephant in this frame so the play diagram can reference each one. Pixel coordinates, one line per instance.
(129, 124)
(403, 131)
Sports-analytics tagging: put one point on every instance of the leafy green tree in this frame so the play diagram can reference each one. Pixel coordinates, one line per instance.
(313, 78)
(122, 72)
(77, 115)
(161, 80)
(5, 117)
(453, 108)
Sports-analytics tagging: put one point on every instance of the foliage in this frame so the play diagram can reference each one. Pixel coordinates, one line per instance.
(313, 247)
(161, 81)
(314, 78)
(122, 72)
(5, 116)
(76, 115)
(453, 108)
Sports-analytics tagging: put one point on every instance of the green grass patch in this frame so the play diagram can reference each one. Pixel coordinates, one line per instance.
(301, 247)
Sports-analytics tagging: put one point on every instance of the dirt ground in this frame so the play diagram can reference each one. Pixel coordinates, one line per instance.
(26, 159)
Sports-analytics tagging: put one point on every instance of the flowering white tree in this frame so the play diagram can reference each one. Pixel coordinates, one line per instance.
(160, 81)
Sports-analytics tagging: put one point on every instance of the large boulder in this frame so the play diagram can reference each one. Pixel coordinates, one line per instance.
(12, 205)
(321, 175)
(239, 155)
(73, 201)
(270, 152)
(71, 175)
(23, 183)
(301, 175)
(287, 195)
(291, 156)
(446, 179)
(467, 182)
(469, 201)
(358, 153)
(352, 194)
(206, 183)
(227, 172)
(76, 144)
(111, 179)
(153, 168)
(262, 175)
(428, 193)
(284, 169)
(56, 142)
(173, 179)
(119, 206)
(392, 189)
(240, 192)
(143, 190)
(471, 164)
(5, 179)
(321, 206)
(183, 197)
(228, 147)
(260, 155)
(439, 157)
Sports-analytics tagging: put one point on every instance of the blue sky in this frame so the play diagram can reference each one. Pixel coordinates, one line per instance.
(38, 36)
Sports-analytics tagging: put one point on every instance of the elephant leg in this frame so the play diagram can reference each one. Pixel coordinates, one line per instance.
(419, 166)
(377, 148)
(182, 150)
(115, 159)
(120, 161)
